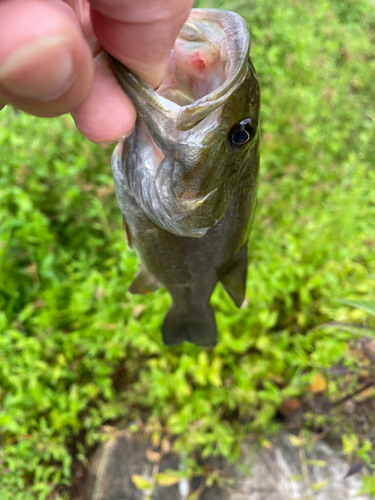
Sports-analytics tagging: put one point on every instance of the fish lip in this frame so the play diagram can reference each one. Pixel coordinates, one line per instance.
(186, 117)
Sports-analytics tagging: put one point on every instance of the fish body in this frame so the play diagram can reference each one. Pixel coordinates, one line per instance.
(186, 178)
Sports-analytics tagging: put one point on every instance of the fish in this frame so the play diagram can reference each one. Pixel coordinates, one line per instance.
(186, 178)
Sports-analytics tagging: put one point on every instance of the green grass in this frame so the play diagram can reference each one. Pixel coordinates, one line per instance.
(77, 350)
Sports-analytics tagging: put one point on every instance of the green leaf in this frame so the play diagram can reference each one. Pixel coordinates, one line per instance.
(141, 482)
(167, 479)
(194, 496)
(353, 328)
(368, 485)
(297, 441)
(318, 486)
(316, 463)
(298, 477)
(349, 443)
(365, 305)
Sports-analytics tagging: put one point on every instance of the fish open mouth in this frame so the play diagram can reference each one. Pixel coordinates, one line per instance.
(206, 65)
(197, 64)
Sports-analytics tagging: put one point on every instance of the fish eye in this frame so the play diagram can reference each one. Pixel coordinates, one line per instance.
(241, 133)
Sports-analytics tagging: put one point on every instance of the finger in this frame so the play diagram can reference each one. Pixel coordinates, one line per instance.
(46, 66)
(107, 114)
(81, 9)
(139, 33)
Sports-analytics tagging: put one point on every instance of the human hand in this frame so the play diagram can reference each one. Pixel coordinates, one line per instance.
(51, 59)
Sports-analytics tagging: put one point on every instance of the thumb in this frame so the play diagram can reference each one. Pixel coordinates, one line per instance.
(140, 33)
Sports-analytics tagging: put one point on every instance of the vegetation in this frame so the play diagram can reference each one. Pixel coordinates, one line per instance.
(78, 351)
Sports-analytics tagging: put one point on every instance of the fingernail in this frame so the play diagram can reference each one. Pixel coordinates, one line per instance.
(152, 73)
(157, 72)
(42, 70)
(120, 140)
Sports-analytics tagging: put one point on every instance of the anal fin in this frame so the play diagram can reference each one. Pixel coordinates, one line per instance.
(144, 283)
(234, 279)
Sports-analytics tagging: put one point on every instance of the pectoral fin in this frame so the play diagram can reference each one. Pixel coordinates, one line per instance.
(234, 279)
(144, 283)
(128, 236)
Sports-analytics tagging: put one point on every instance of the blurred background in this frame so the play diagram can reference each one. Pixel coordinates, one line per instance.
(77, 351)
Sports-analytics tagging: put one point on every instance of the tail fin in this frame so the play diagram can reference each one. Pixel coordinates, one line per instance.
(200, 329)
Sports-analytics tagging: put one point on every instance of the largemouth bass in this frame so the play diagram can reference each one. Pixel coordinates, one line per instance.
(186, 178)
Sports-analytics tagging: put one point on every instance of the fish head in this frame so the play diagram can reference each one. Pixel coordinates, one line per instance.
(198, 132)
